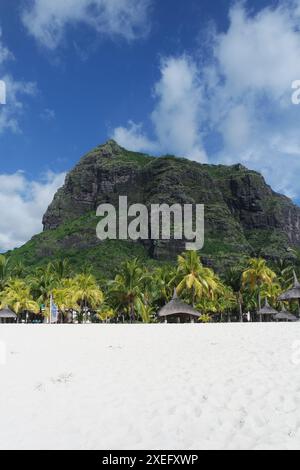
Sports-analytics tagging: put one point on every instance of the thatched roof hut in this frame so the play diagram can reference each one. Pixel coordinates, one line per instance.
(267, 309)
(177, 311)
(284, 315)
(7, 316)
(292, 294)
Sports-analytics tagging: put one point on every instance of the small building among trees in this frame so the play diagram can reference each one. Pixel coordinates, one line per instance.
(7, 316)
(178, 311)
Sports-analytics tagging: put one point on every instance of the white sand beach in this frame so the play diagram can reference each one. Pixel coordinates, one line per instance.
(234, 386)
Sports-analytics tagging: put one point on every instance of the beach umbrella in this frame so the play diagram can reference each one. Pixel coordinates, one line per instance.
(7, 315)
(293, 293)
(267, 310)
(176, 309)
(285, 315)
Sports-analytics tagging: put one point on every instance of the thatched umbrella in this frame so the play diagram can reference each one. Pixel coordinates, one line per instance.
(178, 309)
(284, 315)
(292, 294)
(267, 310)
(7, 315)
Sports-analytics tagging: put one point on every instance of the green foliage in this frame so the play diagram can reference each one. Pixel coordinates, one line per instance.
(138, 290)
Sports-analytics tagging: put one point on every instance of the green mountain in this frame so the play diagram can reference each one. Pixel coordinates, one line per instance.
(243, 215)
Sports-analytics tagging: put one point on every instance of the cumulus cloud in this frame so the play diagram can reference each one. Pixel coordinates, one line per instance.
(254, 64)
(176, 115)
(22, 205)
(15, 91)
(239, 96)
(47, 20)
(134, 138)
(5, 53)
(258, 52)
(12, 111)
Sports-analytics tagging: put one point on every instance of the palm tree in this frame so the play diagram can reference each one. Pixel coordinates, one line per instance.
(42, 284)
(18, 297)
(193, 277)
(61, 269)
(146, 311)
(233, 278)
(4, 271)
(296, 254)
(284, 270)
(62, 297)
(227, 301)
(128, 287)
(86, 293)
(272, 292)
(18, 270)
(106, 314)
(163, 283)
(256, 275)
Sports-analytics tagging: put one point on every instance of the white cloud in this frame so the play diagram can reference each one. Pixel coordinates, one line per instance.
(132, 137)
(22, 205)
(236, 128)
(5, 53)
(255, 63)
(258, 52)
(176, 116)
(11, 112)
(242, 94)
(47, 20)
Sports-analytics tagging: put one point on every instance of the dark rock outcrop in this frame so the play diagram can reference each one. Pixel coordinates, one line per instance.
(243, 214)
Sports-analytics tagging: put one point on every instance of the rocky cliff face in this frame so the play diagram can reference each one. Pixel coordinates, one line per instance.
(243, 214)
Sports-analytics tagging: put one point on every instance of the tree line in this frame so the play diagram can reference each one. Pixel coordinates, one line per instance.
(137, 293)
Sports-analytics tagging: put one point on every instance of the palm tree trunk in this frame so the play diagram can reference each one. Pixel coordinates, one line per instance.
(132, 313)
(240, 307)
(193, 295)
(259, 305)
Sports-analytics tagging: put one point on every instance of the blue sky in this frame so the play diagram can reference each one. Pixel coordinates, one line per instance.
(209, 80)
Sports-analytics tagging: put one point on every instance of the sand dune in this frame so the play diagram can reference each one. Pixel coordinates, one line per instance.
(234, 386)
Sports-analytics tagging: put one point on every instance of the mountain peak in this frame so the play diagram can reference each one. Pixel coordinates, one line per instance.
(109, 148)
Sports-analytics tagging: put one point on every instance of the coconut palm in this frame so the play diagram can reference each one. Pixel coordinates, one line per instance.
(256, 275)
(227, 301)
(42, 284)
(4, 271)
(162, 281)
(18, 270)
(272, 292)
(128, 287)
(106, 314)
(61, 269)
(205, 318)
(233, 278)
(207, 306)
(145, 311)
(85, 293)
(194, 278)
(18, 297)
(62, 297)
